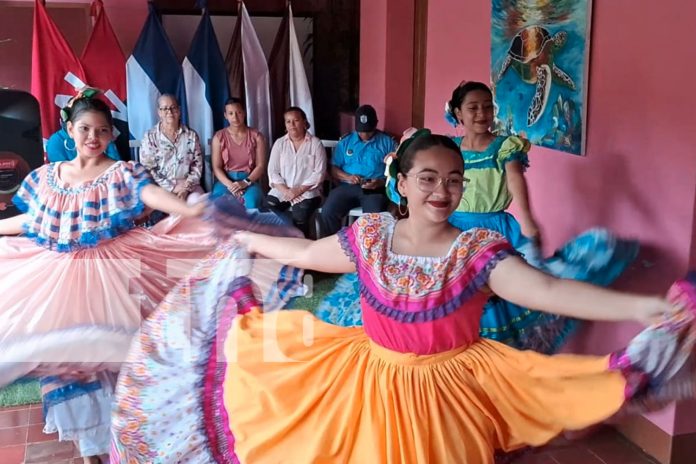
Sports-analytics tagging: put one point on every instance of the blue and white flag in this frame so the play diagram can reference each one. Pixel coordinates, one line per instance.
(205, 78)
(151, 71)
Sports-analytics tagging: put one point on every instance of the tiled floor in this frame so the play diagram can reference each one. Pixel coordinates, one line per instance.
(604, 446)
(23, 441)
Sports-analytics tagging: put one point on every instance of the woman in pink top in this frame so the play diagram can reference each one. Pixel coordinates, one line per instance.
(296, 170)
(239, 157)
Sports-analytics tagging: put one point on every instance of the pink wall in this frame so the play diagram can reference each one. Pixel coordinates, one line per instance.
(399, 72)
(126, 16)
(692, 260)
(639, 174)
(16, 21)
(386, 61)
(373, 52)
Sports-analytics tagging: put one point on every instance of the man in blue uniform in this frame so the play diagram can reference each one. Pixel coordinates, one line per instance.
(357, 164)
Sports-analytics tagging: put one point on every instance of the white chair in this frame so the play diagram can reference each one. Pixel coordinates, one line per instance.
(353, 215)
(329, 146)
(208, 179)
(134, 146)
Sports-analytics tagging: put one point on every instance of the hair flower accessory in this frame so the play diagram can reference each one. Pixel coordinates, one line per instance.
(390, 172)
(84, 92)
(449, 115)
(392, 162)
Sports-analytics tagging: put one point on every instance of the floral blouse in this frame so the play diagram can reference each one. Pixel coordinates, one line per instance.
(170, 162)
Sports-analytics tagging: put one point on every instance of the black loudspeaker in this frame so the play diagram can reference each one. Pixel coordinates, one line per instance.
(21, 147)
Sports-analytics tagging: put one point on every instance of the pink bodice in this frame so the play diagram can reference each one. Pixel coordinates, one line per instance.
(422, 305)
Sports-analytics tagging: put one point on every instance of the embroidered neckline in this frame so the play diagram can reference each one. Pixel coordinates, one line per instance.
(57, 183)
(495, 143)
(391, 226)
(447, 307)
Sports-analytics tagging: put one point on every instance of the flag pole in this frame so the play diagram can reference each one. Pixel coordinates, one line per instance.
(203, 5)
(95, 9)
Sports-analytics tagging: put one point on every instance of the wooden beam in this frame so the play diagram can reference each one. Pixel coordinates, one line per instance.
(335, 41)
(229, 7)
(420, 45)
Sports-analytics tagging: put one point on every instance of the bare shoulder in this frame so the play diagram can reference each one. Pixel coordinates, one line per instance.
(257, 136)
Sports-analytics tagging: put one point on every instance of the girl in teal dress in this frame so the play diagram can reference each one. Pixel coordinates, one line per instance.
(495, 168)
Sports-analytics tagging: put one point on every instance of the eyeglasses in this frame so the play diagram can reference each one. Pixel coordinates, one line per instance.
(428, 183)
(169, 109)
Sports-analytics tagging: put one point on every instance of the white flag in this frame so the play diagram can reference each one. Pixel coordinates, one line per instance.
(256, 79)
(299, 87)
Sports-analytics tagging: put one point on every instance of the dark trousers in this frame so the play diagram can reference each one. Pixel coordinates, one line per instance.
(345, 197)
(301, 212)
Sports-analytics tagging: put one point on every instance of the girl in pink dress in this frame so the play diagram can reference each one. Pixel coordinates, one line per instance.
(416, 384)
(79, 275)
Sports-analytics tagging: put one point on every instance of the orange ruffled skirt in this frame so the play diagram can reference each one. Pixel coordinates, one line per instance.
(283, 387)
(345, 399)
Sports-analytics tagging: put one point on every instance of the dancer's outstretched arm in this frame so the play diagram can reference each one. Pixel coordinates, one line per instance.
(157, 198)
(324, 255)
(516, 281)
(517, 185)
(13, 225)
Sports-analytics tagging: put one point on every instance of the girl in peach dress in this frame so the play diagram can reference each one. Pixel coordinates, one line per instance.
(80, 276)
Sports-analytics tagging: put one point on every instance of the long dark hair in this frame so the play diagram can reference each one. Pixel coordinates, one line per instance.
(236, 101)
(85, 105)
(424, 142)
(402, 162)
(460, 92)
(298, 110)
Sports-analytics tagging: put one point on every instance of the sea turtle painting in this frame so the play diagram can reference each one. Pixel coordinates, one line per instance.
(531, 54)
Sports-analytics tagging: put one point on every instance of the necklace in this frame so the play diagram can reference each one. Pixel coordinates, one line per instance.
(238, 136)
(170, 133)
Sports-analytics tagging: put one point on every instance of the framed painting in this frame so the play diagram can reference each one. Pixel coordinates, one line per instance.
(539, 70)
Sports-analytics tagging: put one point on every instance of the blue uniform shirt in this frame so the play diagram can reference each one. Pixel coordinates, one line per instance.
(56, 150)
(364, 159)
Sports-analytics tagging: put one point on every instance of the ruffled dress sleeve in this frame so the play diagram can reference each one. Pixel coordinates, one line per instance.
(363, 241)
(28, 188)
(514, 149)
(65, 219)
(481, 250)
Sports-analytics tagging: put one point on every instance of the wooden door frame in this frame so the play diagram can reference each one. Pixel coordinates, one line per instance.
(420, 42)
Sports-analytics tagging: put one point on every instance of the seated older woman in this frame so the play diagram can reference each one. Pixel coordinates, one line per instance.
(171, 152)
(296, 170)
(239, 157)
